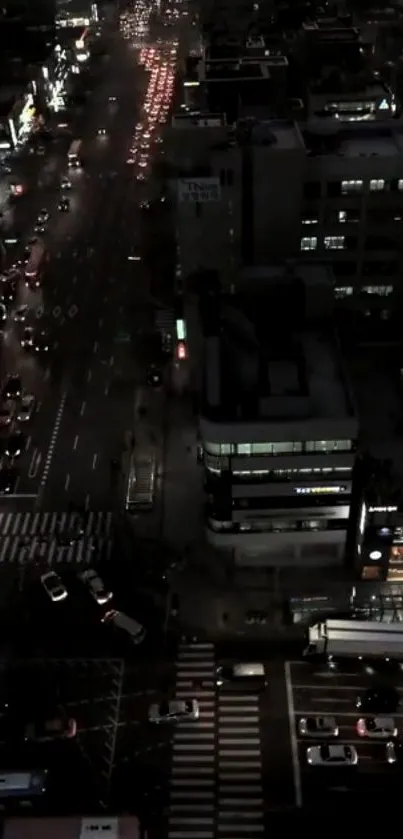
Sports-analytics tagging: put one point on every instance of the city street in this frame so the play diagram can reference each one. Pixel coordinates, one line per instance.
(93, 300)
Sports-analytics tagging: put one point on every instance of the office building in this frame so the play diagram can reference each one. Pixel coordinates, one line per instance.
(329, 194)
(277, 427)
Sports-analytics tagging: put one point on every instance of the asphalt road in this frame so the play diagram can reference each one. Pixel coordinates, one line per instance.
(94, 298)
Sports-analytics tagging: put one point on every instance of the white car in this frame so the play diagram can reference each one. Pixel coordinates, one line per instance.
(377, 728)
(174, 710)
(96, 587)
(318, 727)
(332, 755)
(54, 586)
(26, 408)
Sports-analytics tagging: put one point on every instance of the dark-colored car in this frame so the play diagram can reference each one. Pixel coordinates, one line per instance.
(57, 727)
(12, 388)
(8, 290)
(64, 205)
(8, 478)
(378, 699)
(14, 444)
(41, 342)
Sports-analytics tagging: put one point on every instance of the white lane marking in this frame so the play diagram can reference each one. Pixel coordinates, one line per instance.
(75, 444)
(67, 482)
(34, 464)
(82, 409)
(87, 502)
(106, 391)
(111, 361)
(100, 322)
(95, 347)
(89, 376)
(94, 461)
(293, 735)
(53, 440)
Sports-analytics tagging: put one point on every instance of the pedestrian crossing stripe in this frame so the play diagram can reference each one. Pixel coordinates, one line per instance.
(37, 537)
(45, 524)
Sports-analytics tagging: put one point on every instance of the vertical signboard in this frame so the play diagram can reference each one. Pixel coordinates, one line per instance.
(199, 190)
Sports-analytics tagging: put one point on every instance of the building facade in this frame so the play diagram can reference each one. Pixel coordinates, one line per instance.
(278, 429)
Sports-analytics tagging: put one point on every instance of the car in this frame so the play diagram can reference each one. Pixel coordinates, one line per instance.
(173, 710)
(318, 727)
(43, 216)
(27, 339)
(378, 699)
(54, 586)
(41, 342)
(96, 586)
(41, 151)
(3, 313)
(101, 132)
(6, 414)
(65, 183)
(14, 444)
(26, 408)
(20, 314)
(154, 376)
(8, 291)
(64, 205)
(8, 479)
(111, 98)
(377, 728)
(53, 728)
(332, 754)
(12, 388)
(394, 751)
(40, 228)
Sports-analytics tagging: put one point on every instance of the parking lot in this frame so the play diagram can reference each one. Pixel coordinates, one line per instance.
(116, 759)
(313, 690)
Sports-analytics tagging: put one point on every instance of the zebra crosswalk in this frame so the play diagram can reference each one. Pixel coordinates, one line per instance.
(192, 791)
(216, 786)
(29, 536)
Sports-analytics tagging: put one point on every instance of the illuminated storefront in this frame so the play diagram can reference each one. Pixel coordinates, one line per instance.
(380, 542)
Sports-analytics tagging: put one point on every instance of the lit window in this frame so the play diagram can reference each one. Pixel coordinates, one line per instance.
(351, 186)
(343, 291)
(376, 185)
(310, 221)
(342, 216)
(244, 448)
(400, 185)
(309, 243)
(380, 290)
(334, 243)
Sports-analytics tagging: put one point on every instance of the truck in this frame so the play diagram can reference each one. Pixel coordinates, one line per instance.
(355, 639)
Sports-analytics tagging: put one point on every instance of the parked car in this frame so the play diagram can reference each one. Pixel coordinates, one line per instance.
(378, 699)
(377, 728)
(329, 754)
(53, 728)
(318, 727)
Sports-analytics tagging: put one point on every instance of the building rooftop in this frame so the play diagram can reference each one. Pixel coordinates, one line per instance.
(266, 360)
(283, 134)
(354, 139)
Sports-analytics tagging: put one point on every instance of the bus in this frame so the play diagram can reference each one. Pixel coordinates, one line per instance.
(73, 155)
(140, 493)
(34, 264)
(23, 785)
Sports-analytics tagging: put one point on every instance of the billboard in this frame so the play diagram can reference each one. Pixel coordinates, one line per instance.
(199, 190)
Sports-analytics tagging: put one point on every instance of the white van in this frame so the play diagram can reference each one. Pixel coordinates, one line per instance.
(126, 624)
(247, 676)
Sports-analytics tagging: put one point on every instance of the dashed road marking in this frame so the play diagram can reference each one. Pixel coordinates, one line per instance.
(53, 441)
